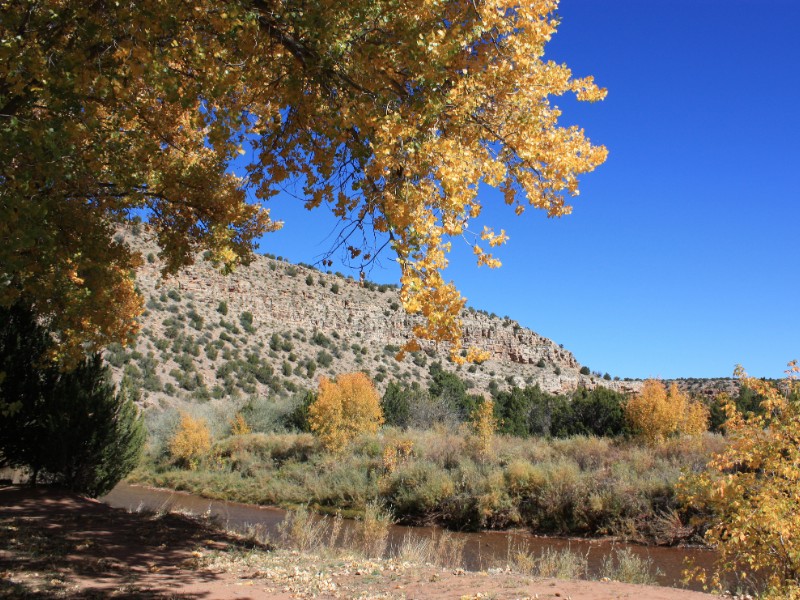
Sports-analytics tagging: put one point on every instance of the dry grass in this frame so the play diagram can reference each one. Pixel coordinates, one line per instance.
(581, 485)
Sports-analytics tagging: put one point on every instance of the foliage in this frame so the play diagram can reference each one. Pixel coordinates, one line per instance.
(484, 425)
(656, 413)
(593, 412)
(581, 485)
(72, 428)
(239, 425)
(451, 389)
(191, 441)
(392, 114)
(746, 401)
(750, 488)
(298, 417)
(396, 404)
(512, 409)
(344, 409)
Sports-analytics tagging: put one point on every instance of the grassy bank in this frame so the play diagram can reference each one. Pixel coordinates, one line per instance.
(60, 545)
(576, 486)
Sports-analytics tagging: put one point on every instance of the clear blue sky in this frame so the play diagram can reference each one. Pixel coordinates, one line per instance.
(681, 256)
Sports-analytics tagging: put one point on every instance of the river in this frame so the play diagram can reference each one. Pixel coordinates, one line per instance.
(482, 550)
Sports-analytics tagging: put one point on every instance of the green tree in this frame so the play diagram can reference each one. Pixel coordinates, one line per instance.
(453, 390)
(512, 409)
(396, 404)
(71, 428)
(598, 412)
(298, 418)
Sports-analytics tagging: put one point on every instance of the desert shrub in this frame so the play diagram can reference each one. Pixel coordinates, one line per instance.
(268, 451)
(268, 414)
(191, 441)
(303, 531)
(320, 339)
(623, 565)
(239, 425)
(748, 491)
(585, 371)
(416, 490)
(246, 320)
(344, 409)
(324, 359)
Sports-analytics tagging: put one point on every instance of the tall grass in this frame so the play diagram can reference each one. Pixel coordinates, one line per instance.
(580, 485)
(623, 565)
(550, 562)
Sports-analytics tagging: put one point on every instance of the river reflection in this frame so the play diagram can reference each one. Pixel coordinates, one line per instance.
(481, 549)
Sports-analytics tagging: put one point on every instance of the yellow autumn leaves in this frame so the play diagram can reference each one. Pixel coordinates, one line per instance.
(748, 492)
(344, 409)
(656, 413)
(393, 114)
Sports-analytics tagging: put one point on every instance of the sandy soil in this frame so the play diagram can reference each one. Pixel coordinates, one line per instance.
(59, 545)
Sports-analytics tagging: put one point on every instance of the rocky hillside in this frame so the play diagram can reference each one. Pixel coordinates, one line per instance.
(276, 327)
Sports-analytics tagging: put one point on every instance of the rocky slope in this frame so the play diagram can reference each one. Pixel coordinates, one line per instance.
(276, 327)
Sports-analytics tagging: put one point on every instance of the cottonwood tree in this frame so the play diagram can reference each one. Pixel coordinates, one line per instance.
(748, 492)
(655, 412)
(344, 409)
(392, 113)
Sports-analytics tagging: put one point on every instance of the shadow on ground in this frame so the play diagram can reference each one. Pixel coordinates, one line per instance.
(55, 544)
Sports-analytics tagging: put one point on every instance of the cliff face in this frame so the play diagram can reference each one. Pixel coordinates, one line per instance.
(292, 323)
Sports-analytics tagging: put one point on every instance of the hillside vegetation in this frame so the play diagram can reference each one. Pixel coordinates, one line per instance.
(273, 328)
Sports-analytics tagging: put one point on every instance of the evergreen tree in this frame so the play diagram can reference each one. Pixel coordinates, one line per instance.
(72, 428)
(396, 405)
(512, 409)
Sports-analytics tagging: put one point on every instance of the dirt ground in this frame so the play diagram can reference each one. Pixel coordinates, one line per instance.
(58, 545)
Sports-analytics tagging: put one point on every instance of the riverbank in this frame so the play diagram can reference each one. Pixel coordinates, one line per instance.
(580, 486)
(59, 545)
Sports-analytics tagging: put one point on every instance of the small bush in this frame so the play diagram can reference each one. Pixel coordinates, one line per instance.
(246, 319)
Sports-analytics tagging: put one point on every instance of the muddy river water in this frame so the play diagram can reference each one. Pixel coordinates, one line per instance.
(482, 550)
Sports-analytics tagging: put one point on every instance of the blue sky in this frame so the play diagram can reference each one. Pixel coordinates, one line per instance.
(681, 256)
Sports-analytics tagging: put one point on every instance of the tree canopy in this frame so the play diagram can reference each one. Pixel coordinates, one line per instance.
(391, 112)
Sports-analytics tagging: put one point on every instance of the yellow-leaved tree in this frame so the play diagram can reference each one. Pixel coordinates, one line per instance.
(655, 412)
(391, 113)
(192, 440)
(344, 409)
(749, 492)
(484, 425)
